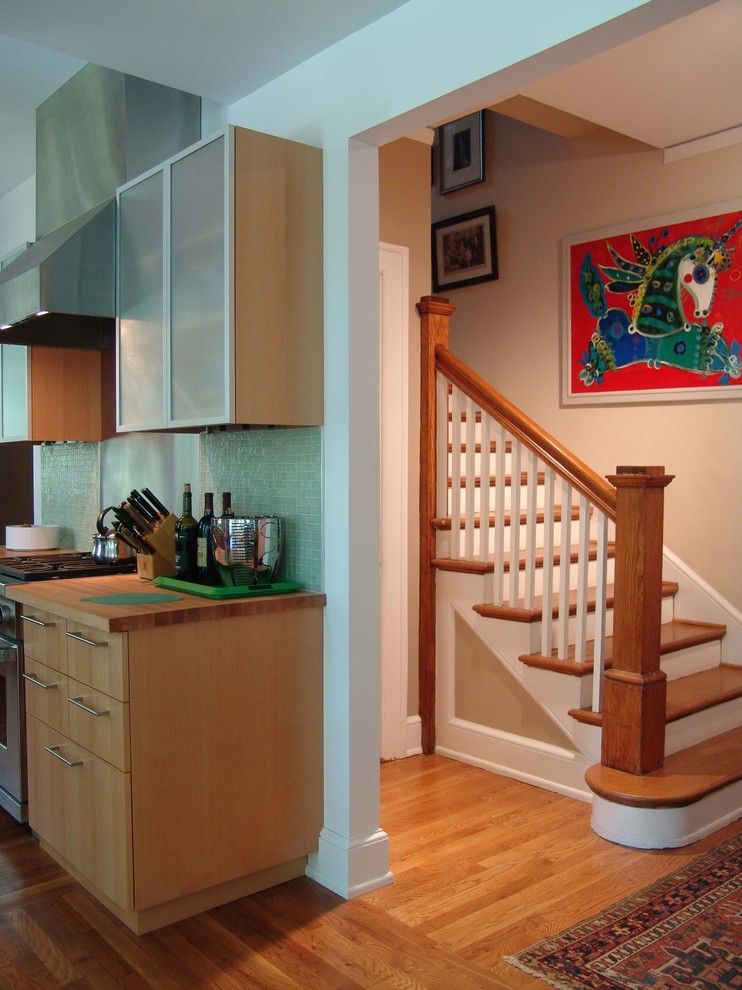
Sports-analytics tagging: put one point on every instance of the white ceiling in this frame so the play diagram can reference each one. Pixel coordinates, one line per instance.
(673, 85)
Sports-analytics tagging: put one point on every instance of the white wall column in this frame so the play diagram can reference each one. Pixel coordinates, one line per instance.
(353, 854)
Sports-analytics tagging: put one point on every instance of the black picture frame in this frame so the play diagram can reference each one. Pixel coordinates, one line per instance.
(461, 152)
(464, 250)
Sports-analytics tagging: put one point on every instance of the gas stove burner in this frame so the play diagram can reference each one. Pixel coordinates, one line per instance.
(30, 567)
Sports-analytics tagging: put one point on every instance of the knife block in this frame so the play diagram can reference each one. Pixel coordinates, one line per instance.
(162, 562)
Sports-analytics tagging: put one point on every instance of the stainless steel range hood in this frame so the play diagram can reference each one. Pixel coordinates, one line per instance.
(61, 290)
(96, 132)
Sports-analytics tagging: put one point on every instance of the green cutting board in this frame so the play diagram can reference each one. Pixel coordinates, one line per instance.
(224, 591)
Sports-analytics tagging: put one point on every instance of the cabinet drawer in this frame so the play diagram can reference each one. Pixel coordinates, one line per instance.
(46, 694)
(43, 637)
(81, 806)
(98, 722)
(98, 659)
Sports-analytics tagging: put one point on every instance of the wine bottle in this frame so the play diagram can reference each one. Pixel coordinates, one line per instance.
(207, 572)
(186, 533)
(227, 509)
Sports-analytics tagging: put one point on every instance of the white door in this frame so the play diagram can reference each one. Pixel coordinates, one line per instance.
(394, 394)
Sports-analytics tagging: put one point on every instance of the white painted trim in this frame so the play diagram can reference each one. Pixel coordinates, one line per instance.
(666, 828)
(394, 490)
(351, 867)
(698, 599)
(414, 735)
(698, 146)
(425, 135)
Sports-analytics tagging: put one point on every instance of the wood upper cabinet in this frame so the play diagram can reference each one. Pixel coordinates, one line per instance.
(55, 393)
(220, 287)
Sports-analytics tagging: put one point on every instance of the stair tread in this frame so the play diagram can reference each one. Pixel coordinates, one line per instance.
(488, 566)
(687, 776)
(478, 447)
(520, 613)
(678, 634)
(445, 522)
(687, 695)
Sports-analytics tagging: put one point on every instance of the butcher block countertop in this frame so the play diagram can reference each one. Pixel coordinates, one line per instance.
(65, 598)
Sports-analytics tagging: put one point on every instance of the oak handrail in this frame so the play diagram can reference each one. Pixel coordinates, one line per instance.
(590, 484)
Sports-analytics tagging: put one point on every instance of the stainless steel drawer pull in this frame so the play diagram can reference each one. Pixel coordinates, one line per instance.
(78, 703)
(54, 751)
(38, 622)
(81, 639)
(39, 683)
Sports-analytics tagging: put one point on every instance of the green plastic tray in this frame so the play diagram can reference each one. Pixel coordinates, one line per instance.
(225, 591)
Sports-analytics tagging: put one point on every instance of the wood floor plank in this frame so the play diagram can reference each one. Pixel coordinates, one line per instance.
(484, 866)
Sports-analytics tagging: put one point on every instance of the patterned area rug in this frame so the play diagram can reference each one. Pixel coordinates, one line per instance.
(683, 933)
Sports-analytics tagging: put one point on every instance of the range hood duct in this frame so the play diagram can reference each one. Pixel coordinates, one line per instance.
(96, 132)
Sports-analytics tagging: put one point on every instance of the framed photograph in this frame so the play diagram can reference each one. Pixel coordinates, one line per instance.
(652, 310)
(464, 249)
(461, 152)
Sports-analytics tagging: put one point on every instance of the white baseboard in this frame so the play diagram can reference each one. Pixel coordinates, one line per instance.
(414, 736)
(527, 760)
(351, 866)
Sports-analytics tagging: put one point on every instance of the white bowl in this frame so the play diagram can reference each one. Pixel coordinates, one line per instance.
(31, 537)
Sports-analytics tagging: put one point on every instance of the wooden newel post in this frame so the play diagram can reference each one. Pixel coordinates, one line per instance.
(634, 686)
(434, 319)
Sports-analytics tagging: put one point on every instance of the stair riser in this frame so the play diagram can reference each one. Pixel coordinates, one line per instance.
(508, 498)
(444, 537)
(692, 660)
(557, 574)
(703, 725)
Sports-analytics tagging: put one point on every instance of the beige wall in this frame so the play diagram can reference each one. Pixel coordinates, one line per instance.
(544, 188)
(404, 219)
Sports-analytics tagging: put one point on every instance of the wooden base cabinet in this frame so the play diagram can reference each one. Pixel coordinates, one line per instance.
(203, 786)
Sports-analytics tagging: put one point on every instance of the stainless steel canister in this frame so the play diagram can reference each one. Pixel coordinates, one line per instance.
(247, 549)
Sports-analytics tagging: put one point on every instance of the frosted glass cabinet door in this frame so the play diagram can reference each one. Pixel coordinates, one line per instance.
(14, 390)
(141, 346)
(198, 315)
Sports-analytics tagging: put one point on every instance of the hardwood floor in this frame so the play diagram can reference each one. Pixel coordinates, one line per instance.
(483, 865)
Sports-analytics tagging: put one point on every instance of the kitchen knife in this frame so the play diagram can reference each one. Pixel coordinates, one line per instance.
(162, 511)
(143, 507)
(142, 525)
(127, 519)
(132, 540)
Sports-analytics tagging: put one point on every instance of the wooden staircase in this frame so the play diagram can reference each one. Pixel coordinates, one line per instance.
(498, 552)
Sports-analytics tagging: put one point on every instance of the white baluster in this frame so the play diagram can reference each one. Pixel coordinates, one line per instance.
(456, 404)
(531, 524)
(564, 548)
(600, 596)
(486, 489)
(442, 433)
(548, 572)
(499, 572)
(470, 490)
(583, 560)
(514, 573)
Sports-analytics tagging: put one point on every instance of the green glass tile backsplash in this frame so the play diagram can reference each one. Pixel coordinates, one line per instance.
(274, 472)
(269, 472)
(70, 491)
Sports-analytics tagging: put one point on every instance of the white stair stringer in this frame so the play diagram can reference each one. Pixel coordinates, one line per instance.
(533, 761)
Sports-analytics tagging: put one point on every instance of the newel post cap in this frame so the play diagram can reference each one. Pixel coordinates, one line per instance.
(643, 476)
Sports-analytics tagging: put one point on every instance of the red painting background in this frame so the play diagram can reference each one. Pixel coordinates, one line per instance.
(726, 307)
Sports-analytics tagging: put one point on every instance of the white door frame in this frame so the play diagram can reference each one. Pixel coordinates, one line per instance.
(394, 493)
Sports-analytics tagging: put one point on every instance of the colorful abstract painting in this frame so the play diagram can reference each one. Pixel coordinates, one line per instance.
(655, 312)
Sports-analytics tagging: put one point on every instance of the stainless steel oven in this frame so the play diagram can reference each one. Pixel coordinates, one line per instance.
(12, 735)
(40, 567)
